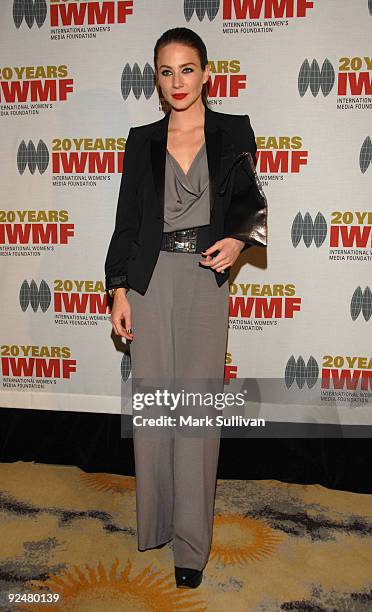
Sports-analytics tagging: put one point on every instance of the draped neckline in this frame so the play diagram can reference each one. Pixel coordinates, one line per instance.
(186, 174)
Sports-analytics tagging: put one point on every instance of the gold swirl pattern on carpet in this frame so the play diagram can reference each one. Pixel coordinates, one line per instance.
(276, 546)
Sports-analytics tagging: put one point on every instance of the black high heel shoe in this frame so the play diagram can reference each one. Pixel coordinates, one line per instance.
(187, 578)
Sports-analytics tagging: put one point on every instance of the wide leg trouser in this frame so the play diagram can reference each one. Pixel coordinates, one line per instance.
(180, 336)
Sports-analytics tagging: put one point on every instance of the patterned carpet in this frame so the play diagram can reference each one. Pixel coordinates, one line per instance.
(276, 546)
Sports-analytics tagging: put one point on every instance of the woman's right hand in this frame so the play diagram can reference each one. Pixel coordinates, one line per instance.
(121, 310)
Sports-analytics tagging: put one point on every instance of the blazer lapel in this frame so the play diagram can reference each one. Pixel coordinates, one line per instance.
(213, 141)
(158, 148)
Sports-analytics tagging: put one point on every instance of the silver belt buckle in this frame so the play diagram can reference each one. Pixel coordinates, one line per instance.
(184, 246)
(181, 241)
(185, 241)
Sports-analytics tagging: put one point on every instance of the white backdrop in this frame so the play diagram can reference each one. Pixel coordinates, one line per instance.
(72, 84)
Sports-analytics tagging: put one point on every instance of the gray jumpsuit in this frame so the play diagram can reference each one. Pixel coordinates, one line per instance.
(180, 334)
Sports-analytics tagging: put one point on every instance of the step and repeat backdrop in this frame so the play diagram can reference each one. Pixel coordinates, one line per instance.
(74, 77)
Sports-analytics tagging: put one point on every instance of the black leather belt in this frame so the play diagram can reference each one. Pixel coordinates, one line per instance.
(192, 240)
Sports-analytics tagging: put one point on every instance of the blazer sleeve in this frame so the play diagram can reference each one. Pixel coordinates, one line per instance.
(249, 144)
(126, 221)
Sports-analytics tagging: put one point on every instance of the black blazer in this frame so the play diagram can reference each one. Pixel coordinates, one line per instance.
(135, 243)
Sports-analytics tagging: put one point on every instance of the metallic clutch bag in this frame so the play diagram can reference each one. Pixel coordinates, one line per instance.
(246, 217)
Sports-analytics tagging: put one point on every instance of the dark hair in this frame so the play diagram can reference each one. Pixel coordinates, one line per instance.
(188, 37)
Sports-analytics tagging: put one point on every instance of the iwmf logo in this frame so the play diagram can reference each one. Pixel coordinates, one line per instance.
(73, 156)
(84, 297)
(353, 77)
(132, 79)
(30, 11)
(34, 84)
(35, 227)
(73, 12)
(361, 302)
(299, 373)
(32, 295)
(304, 228)
(337, 372)
(315, 78)
(246, 9)
(28, 155)
(349, 229)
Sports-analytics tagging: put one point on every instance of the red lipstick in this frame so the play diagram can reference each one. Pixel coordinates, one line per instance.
(179, 96)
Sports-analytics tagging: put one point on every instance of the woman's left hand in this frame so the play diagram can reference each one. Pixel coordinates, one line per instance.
(229, 250)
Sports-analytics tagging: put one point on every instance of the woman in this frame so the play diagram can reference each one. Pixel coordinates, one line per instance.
(176, 235)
